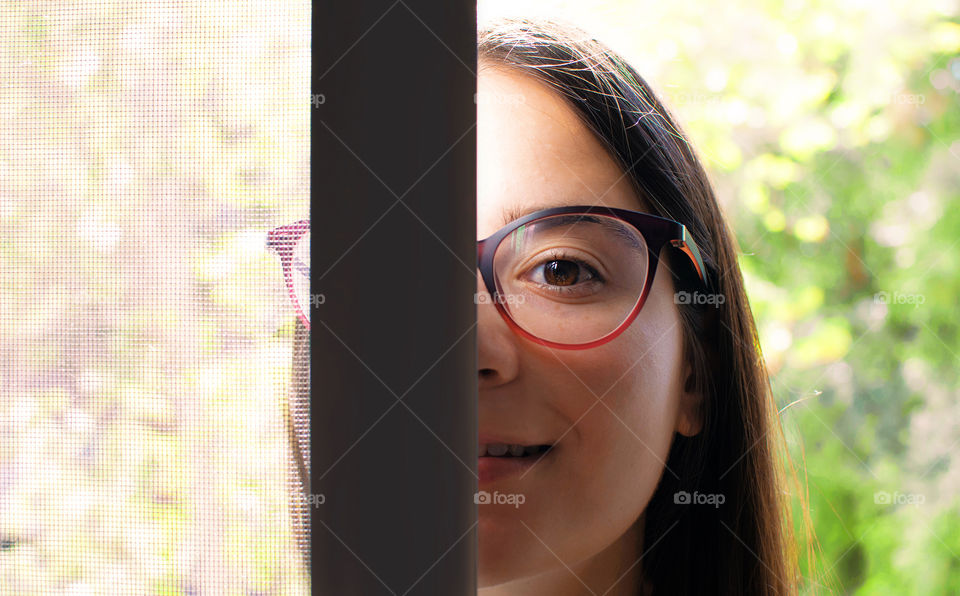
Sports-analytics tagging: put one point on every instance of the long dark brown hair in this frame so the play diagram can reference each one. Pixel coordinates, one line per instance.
(746, 545)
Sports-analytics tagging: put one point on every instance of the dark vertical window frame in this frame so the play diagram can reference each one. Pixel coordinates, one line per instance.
(393, 341)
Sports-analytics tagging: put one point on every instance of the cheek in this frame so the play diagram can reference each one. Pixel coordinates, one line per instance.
(607, 468)
(622, 441)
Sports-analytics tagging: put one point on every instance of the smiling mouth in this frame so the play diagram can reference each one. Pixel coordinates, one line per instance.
(512, 451)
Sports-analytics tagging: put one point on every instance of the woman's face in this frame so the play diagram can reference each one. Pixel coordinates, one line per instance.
(610, 411)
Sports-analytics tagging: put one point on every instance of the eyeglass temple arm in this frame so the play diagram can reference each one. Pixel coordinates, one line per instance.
(302, 267)
(687, 245)
(277, 244)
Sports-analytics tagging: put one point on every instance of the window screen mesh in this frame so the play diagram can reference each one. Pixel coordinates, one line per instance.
(154, 374)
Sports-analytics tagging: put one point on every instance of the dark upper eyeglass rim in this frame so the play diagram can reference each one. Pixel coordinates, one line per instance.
(656, 231)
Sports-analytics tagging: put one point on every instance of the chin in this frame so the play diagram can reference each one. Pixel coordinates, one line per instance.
(494, 569)
(505, 550)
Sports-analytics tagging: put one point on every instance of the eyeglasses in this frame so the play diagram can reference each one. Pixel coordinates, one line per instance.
(566, 277)
(292, 243)
(576, 277)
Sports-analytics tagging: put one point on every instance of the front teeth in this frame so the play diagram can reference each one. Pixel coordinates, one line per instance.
(501, 449)
(497, 449)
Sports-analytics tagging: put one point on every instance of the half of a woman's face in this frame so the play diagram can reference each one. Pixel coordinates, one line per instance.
(610, 412)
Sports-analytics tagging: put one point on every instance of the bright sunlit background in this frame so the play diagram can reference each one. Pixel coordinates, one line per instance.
(831, 131)
(146, 334)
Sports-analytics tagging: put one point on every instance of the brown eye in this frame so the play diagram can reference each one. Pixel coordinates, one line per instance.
(561, 273)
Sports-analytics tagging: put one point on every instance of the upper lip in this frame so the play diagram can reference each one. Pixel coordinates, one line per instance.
(488, 438)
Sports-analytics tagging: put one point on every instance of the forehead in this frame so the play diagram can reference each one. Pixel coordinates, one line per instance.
(533, 152)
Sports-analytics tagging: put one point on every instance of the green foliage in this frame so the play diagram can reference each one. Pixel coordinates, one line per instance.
(832, 133)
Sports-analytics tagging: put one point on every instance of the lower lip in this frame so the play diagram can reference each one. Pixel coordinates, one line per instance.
(490, 469)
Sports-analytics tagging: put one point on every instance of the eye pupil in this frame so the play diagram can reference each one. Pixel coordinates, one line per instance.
(560, 273)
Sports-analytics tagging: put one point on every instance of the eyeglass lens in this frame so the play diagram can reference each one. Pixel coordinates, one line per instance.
(571, 278)
(300, 273)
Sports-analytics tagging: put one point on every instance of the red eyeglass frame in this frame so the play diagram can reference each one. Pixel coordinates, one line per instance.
(656, 231)
(282, 240)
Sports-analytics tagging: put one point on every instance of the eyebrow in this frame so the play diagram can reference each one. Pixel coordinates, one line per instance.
(619, 230)
(517, 211)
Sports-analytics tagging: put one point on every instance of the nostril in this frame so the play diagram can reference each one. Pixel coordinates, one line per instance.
(487, 372)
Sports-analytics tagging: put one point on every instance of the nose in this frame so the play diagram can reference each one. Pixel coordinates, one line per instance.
(497, 349)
